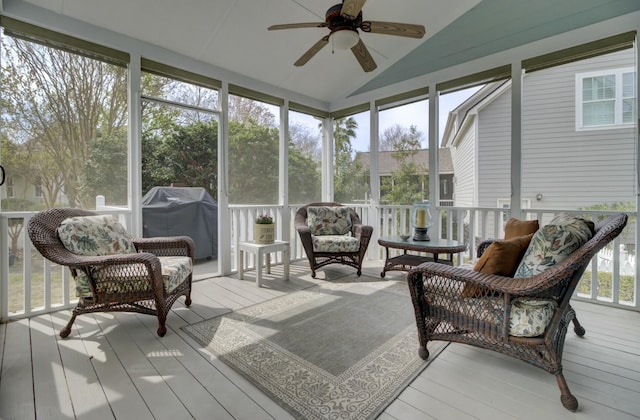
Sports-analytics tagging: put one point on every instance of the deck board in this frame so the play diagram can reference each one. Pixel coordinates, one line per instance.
(115, 366)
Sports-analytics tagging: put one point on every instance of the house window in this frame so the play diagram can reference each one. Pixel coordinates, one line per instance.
(9, 188)
(38, 191)
(605, 99)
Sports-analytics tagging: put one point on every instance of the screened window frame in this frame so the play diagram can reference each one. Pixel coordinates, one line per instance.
(618, 99)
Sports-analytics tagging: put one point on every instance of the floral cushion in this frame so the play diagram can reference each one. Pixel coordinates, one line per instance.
(553, 243)
(326, 220)
(335, 243)
(528, 318)
(175, 271)
(95, 235)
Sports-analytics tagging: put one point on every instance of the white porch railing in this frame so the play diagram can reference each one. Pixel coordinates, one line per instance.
(33, 286)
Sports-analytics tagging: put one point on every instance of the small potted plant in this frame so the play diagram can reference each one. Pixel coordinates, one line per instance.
(264, 230)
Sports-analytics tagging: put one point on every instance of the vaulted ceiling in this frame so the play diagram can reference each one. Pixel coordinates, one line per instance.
(232, 34)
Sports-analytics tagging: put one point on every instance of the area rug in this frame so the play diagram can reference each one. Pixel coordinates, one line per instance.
(334, 351)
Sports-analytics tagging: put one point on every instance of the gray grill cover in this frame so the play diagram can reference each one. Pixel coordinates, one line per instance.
(190, 211)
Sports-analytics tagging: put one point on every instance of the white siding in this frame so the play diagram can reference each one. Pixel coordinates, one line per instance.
(464, 166)
(573, 169)
(494, 151)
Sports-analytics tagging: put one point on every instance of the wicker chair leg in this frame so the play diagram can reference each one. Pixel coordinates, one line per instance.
(577, 328)
(64, 333)
(423, 352)
(187, 301)
(162, 329)
(568, 400)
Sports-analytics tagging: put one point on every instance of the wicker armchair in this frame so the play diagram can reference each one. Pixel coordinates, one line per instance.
(147, 280)
(442, 313)
(317, 259)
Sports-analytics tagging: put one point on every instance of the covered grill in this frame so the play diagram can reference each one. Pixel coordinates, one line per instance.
(190, 211)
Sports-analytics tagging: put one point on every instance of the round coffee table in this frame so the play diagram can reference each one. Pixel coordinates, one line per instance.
(406, 261)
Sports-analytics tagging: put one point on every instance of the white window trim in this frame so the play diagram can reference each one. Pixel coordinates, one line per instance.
(10, 188)
(618, 98)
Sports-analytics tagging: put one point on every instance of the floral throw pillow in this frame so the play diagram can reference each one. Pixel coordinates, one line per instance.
(326, 220)
(553, 243)
(95, 235)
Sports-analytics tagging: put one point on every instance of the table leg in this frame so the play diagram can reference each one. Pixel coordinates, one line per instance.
(386, 261)
(268, 257)
(259, 268)
(285, 257)
(241, 264)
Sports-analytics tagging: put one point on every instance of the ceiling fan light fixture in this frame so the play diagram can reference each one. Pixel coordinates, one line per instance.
(344, 39)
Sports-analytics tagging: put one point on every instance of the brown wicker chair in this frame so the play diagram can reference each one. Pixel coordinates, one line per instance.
(442, 314)
(321, 259)
(118, 282)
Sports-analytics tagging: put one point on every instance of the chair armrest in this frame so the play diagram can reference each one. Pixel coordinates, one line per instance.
(362, 231)
(146, 258)
(167, 246)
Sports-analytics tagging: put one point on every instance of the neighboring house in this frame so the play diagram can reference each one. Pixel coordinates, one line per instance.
(19, 189)
(387, 164)
(578, 138)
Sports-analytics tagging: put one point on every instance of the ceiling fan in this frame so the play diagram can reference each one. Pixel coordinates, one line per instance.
(344, 20)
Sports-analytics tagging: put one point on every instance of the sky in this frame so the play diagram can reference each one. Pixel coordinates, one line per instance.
(416, 114)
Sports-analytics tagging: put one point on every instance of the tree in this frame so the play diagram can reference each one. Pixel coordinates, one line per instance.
(408, 183)
(59, 102)
(306, 141)
(244, 109)
(253, 169)
(105, 171)
(351, 181)
(182, 154)
(304, 177)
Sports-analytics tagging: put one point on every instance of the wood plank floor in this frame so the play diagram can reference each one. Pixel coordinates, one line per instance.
(114, 366)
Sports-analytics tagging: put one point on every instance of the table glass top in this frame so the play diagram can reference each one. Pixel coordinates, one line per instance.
(433, 243)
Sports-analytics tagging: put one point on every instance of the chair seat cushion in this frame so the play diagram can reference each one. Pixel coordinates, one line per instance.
(95, 235)
(528, 318)
(335, 243)
(175, 270)
(328, 220)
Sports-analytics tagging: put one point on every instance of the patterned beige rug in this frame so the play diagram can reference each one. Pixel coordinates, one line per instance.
(335, 351)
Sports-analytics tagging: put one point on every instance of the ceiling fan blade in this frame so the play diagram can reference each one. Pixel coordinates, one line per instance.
(351, 8)
(311, 52)
(393, 28)
(298, 25)
(364, 58)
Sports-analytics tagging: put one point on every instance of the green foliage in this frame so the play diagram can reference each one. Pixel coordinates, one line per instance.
(350, 180)
(264, 219)
(105, 170)
(253, 163)
(605, 282)
(186, 154)
(304, 177)
(409, 183)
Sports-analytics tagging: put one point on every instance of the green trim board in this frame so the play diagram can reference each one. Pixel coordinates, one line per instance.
(33, 33)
